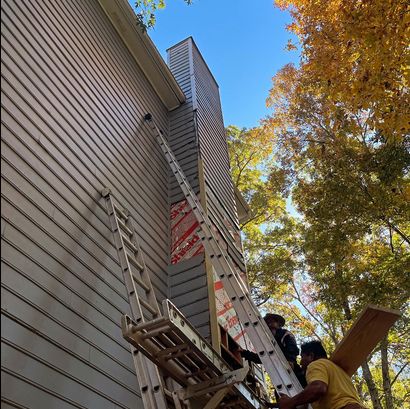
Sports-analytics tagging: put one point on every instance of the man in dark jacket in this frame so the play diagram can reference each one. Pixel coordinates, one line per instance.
(286, 341)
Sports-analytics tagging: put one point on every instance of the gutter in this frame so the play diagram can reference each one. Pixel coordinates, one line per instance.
(144, 52)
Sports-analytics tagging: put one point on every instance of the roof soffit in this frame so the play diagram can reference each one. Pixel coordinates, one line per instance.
(144, 52)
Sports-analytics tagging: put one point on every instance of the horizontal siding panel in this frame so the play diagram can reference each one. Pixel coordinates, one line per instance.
(185, 265)
(189, 291)
(121, 77)
(67, 256)
(54, 378)
(192, 301)
(36, 255)
(185, 82)
(11, 140)
(188, 132)
(42, 107)
(22, 393)
(183, 110)
(73, 101)
(179, 57)
(180, 123)
(221, 209)
(180, 68)
(185, 146)
(194, 282)
(44, 61)
(61, 310)
(114, 358)
(50, 219)
(80, 363)
(63, 208)
(232, 251)
(199, 307)
(78, 291)
(175, 188)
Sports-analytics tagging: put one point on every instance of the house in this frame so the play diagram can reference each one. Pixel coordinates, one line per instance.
(77, 80)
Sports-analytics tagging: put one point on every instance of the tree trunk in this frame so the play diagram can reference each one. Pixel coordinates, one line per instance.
(367, 375)
(386, 375)
(359, 387)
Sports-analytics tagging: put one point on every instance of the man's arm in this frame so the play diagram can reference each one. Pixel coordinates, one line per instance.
(313, 392)
(250, 356)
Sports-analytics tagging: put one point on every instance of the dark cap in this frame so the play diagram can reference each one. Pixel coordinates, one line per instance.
(275, 317)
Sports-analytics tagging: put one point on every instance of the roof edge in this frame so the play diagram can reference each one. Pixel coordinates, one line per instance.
(144, 52)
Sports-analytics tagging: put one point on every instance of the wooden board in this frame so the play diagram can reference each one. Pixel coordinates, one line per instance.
(366, 332)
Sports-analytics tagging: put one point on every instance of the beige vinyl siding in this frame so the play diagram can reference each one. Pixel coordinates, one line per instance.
(214, 152)
(187, 279)
(188, 291)
(182, 131)
(73, 101)
(212, 138)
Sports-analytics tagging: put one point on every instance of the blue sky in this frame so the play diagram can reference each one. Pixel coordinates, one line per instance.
(243, 43)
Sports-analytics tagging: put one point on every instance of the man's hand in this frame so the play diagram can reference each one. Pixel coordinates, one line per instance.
(313, 392)
(285, 402)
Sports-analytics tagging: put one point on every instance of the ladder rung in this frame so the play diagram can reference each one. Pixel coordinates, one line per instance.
(147, 306)
(129, 243)
(120, 213)
(124, 227)
(167, 352)
(135, 262)
(141, 283)
(158, 322)
(154, 332)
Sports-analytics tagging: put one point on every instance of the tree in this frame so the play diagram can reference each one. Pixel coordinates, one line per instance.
(341, 123)
(254, 173)
(145, 11)
(356, 53)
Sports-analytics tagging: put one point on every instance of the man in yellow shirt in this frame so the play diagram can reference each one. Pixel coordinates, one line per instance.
(329, 386)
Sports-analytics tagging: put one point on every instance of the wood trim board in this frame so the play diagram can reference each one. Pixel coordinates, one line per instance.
(366, 332)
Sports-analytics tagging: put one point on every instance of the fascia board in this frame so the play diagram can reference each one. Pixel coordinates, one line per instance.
(144, 52)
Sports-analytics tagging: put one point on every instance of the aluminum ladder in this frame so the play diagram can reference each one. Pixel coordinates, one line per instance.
(202, 380)
(272, 358)
(143, 303)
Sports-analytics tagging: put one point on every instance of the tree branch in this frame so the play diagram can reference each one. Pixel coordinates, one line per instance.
(326, 329)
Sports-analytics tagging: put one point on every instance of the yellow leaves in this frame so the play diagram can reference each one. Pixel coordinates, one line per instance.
(354, 57)
(290, 46)
(353, 53)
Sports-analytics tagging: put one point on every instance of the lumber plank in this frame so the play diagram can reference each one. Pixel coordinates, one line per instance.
(363, 336)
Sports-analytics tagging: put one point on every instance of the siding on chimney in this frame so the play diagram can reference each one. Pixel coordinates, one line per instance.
(197, 132)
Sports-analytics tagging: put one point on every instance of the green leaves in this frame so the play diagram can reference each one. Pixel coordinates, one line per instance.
(341, 125)
(145, 11)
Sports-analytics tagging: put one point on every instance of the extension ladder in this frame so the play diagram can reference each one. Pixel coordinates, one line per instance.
(272, 358)
(168, 340)
(143, 304)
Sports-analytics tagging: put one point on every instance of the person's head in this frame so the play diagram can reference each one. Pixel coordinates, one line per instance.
(311, 351)
(274, 321)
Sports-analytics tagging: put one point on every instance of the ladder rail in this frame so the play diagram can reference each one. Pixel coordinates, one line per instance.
(183, 353)
(272, 357)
